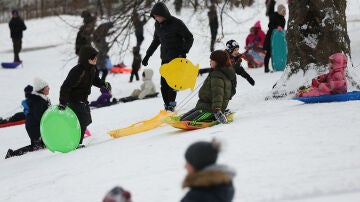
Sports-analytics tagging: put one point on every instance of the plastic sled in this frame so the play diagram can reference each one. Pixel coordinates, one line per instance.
(279, 50)
(10, 65)
(354, 95)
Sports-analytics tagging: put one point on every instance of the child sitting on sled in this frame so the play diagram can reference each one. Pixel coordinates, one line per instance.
(147, 88)
(103, 99)
(333, 82)
(216, 91)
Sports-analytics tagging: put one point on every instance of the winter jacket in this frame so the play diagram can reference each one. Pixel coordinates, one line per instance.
(17, 26)
(25, 106)
(147, 87)
(83, 37)
(212, 184)
(333, 82)
(239, 70)
(173, 35)
(103, 99)
(77, 85)
(275, 20)
(262, 36)
(38, 104)
(136, 64)
(217, 89)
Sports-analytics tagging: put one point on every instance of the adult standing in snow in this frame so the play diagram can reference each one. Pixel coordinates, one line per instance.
(214, 24)
(207, 180)
(176, 41)
(84, 35)
(17, 26)
(139, 28)
(76, 88)
(99, 39)
(276, 21)
(38, 103)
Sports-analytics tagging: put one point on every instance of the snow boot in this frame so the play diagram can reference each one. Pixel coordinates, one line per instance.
(9, 153)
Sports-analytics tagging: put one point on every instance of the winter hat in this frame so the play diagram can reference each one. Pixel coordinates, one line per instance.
(338, 60)
(257, 24)
(201, 154)
(39, 84)
(14, 12)
(28, 89)
(117, 194)
(281, 10)
(231, 45)
(220, 57)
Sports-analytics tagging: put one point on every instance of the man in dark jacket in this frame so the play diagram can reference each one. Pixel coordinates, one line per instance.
(176, 41)
(17, 26)
(214, 24)
(207, 180)
(276, 19)
(76, 88)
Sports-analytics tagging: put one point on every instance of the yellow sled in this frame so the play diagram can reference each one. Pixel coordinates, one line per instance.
(141, 126)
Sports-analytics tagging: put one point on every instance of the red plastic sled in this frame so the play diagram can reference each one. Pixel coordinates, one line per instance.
(12, 123)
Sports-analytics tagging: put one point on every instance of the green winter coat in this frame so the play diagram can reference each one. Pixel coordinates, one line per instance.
(216, 90)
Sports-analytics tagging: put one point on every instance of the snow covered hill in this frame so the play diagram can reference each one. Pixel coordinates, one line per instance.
(282, 150)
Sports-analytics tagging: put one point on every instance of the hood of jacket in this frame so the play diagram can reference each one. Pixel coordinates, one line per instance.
(86, 52)
(161, 10)
(228, 71)
(210, 176)
(147, 74)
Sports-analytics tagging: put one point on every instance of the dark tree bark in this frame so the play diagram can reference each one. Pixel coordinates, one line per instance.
(316, 30)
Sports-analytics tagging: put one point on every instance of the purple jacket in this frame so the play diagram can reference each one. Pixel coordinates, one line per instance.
(103, 99)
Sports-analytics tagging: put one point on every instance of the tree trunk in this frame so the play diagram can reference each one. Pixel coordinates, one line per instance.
(316, 30)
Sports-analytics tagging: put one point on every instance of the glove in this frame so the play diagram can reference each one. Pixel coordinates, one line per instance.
(145, 60)
(251, 81)
(220, 117)
(107, 85)
(182, 56)
(61, 107)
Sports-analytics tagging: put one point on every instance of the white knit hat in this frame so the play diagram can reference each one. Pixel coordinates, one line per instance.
(39, 84)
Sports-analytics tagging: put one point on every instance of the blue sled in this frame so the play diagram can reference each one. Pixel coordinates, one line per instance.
(10, 64)
(354, 95)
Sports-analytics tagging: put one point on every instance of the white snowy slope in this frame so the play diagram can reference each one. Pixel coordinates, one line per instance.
(282, 150)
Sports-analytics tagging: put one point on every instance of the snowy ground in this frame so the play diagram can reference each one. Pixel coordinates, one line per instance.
(282, 150)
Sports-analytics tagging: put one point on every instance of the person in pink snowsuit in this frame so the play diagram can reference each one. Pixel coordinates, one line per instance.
(259, 32)
(333, 82)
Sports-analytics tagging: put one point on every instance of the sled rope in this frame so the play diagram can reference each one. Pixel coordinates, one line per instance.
(189, 97)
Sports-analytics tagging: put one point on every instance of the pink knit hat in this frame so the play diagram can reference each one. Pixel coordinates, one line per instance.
(257, 24)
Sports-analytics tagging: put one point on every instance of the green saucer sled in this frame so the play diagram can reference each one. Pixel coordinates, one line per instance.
(60, 130)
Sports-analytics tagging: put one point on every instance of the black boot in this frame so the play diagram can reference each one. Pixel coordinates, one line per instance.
(9, 153)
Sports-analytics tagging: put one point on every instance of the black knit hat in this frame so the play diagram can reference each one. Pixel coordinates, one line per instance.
(231, 45)
(28, 89)
(201, 154)
(220, 57)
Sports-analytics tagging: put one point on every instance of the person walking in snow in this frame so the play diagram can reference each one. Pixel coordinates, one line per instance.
(76, 88)
(206, 180)
(38, 103)
(333, 82)
(216, 91)
(136, 64)
(175, 40)
(214, 25)
(276, 21)
(84, 35)
(17, 26)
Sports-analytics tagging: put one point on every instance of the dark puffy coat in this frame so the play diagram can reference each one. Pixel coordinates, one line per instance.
(37, 106)
(275, 20)
(77, 85)
(17, 26)
(217, 89)
(236, 63)
(83, 37)
(212, 184)
(173, 35)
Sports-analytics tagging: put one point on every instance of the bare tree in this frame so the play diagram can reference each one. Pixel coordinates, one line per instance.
(316, 30)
